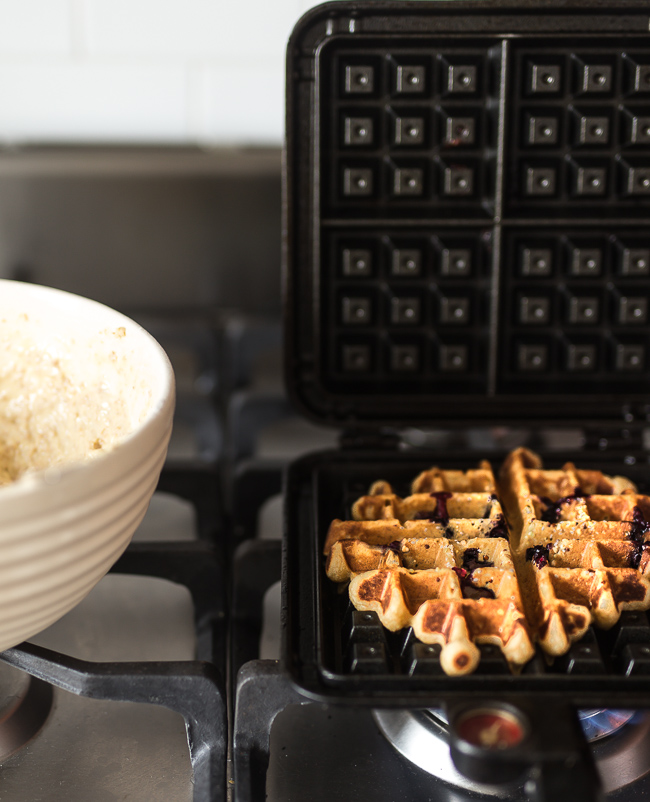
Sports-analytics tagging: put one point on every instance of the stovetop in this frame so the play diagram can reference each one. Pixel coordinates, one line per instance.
(323, 752)
(348, 758)
(108, 750)
(319, 751)
(146, 631)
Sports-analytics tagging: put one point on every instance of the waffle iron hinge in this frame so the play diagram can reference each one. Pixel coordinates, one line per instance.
(634, 439)
(370, 439)
(632, 435)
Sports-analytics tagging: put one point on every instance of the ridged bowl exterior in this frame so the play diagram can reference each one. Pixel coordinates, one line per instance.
(63, 528)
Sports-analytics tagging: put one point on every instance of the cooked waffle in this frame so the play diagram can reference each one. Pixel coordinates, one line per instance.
(545, 506)
(579, 541)
(450, 598)
(453, 504)
(424, 561)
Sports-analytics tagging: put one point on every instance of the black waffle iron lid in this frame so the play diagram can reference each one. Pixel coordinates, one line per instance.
(467, 208)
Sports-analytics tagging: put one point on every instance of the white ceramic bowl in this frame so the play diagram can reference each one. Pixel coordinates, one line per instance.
(61, 528)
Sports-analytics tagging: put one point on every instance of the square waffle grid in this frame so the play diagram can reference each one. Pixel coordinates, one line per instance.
(579, 130)
(409, 307)
(575, 310)
(410, 132)
(420, 562)
(416, 299)
(356, 643)
(579, 539)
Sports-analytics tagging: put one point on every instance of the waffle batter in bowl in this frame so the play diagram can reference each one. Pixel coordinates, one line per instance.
(86, 405)
(50, 414)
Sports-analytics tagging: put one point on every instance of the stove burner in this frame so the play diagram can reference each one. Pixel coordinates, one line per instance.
(421, 736)
(24, 708)
(597, 724)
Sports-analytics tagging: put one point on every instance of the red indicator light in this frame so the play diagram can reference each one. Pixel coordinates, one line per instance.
(491, 729)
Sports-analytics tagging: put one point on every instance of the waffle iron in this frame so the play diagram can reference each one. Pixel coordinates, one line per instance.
(467, 243)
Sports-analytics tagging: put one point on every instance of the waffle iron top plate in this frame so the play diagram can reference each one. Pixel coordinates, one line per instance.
(467, 208)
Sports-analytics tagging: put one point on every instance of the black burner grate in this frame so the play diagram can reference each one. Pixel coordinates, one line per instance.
(195, 689)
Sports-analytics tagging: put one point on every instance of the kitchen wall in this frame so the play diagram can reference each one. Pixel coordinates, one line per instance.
(154, 71)
(162, 228)
(140, 149)
(140, 145)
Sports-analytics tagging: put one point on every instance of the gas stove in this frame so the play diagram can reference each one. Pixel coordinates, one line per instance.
(288, 746)
(322, 752)
(326, 751)
(119, 681)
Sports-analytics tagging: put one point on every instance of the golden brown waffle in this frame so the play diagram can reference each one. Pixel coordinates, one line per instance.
(453, 504)
(579, 541)
(442, 599)
(424, 561)
(545, 506)
(574, 583)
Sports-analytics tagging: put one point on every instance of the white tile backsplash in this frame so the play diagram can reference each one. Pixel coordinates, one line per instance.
(35, 27)
(152, 27)
(186, 71)
(43, 101)
(240, 102)
(215, 29)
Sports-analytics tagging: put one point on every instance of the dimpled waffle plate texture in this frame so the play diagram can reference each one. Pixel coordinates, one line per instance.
(435, 561)
(411, 131)
(472, 207)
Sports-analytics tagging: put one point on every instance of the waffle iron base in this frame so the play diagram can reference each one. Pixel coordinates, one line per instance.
(613, 672)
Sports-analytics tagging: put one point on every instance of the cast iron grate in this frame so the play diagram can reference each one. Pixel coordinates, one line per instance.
(195, 688)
